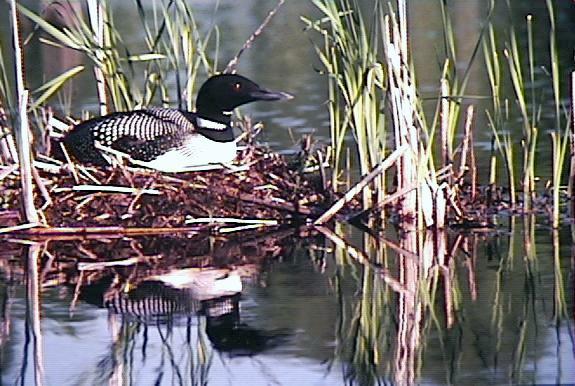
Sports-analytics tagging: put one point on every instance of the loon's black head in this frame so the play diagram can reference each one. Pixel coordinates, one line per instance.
(221, 94)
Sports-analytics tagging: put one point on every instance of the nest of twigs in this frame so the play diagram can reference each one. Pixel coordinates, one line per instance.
(78, 196)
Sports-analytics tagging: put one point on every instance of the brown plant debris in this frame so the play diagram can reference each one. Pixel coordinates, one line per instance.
(76, 196)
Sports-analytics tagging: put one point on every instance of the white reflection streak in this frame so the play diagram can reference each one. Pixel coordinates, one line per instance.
(410, 315)
(116, 378)
(33, 306)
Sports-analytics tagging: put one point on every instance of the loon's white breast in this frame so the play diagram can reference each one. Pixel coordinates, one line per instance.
(197, 151)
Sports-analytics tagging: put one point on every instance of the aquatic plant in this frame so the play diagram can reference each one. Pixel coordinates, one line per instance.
(419, 193)
(372, 109)
(174, 45)
(356, 81)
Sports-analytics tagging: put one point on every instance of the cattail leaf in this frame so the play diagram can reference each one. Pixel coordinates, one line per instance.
(56, 33)
(51, 87)
(146, 57)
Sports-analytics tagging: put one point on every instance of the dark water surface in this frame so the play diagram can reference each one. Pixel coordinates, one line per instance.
(497, 308)
(308, 315)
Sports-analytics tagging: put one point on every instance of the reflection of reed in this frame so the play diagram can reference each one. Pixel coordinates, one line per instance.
(469, 248)
(519, 351)
(365, 342)
(385, 335)
(560, 308)
(409, 313)
(33, 312)
(8, 274)
(573, 253)
(4, 315)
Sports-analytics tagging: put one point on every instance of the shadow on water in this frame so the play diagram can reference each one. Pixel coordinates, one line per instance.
(337, 306)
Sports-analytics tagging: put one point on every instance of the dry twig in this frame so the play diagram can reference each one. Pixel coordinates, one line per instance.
(328, 215)
(231, 67)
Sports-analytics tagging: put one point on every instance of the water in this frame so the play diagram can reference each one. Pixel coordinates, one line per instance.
(306, 316)
(309, 314)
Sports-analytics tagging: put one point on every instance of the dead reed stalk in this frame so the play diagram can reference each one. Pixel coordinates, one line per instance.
(25, 156)
(402, 94)
(24, 139)
(360, 186)
(96, 13)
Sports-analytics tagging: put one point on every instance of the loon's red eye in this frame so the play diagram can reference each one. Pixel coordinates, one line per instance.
(237, 86)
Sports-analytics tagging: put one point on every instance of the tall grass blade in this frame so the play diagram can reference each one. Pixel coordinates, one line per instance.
(6, 97)
(356, 83)
(63, 37)
(51, 87)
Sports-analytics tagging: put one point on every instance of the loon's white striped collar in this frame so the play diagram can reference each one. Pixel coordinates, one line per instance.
(209, 124)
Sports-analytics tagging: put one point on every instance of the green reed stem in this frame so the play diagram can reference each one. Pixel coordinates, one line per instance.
(174, 44)
(560, 140)
(355, 80)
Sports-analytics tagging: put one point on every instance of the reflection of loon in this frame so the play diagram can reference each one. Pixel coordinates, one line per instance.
(228, 335)
(179, 292)
(203, 284)
(153, 301)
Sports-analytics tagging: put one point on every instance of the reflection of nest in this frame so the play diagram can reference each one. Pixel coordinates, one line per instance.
(85, 197)
(103, 269)
(148, 256)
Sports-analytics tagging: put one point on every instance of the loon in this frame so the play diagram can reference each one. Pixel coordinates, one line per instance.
(169, 139)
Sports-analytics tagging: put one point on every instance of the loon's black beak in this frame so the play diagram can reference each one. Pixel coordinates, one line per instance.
(266, 95)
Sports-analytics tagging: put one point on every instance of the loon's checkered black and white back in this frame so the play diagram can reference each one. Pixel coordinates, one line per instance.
(160, 138)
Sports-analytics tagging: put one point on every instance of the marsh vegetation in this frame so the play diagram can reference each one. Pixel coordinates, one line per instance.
(422, 234)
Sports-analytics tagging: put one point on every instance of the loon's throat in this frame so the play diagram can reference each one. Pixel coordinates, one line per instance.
(218, 135)
(216, 127)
